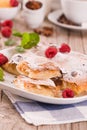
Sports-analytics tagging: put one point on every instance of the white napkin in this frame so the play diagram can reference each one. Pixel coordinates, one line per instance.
(37, 113)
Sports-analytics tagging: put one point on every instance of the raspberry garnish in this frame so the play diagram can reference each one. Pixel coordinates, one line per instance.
(8, 23)
(6, 32)
(64, 48)
(3, 59)
(51, 52)
(14, 3)
(68, 93)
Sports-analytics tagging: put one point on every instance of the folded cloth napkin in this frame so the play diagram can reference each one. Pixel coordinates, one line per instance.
(38, 113)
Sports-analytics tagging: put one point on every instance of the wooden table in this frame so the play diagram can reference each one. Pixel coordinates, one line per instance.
(9, 117)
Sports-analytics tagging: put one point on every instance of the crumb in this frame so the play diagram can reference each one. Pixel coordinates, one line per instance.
(46, 31)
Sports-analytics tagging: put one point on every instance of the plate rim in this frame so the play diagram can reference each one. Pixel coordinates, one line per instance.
(42, 96)
(59, 12)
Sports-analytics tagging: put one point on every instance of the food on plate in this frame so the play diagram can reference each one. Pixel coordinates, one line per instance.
(65, 48)
(46, 87)
(55, 87)
(51, 52)
(42, 87)
(64, 75)
(38, 67)
(10, 66)
(69, 74)
(3, 59)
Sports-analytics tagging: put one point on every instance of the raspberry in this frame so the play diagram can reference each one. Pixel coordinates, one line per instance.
(8, 23)
(3, 59)
(14, 3)
(64, 48)
(0, 25)
(6, 32)
(51, 52)
(68, 93)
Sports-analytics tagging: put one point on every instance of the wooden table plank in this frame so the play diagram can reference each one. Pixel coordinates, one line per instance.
(75, 41)
(79, 126)
(10, 118)
(55, 127)
(84, 39)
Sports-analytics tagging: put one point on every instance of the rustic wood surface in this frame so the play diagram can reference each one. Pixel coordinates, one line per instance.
(9, 117)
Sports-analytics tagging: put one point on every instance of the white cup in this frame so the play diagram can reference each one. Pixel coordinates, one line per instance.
(47, 4)
(34, 18)
(75, 10)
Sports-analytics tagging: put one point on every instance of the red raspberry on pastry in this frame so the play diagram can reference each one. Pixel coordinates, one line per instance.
(8, 23)
(6, 32)
(51, 52)
(14, 3)
(68, 93)
(64, 48)
(3, 59)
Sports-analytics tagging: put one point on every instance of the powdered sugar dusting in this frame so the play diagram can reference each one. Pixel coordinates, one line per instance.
(72, 62)
(38, 62)
(69, 63)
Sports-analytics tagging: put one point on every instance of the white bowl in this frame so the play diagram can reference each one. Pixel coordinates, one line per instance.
(8, 13)
(75, 10)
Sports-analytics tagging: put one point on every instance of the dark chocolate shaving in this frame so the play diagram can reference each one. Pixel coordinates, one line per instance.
(57, 80)
(62, 19)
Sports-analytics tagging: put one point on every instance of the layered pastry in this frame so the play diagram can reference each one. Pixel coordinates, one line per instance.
(64, 75)
(65, 72)
(10, 66)
(37, 74)
(38, 67)
(74, 68)
(50, 87)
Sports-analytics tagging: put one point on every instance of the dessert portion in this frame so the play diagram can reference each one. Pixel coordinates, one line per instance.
(38, 67)
(37, 75)
(55, 87)
(42, 87)
(57, 72)
(10, 66)
(66, 69)
(8, 3)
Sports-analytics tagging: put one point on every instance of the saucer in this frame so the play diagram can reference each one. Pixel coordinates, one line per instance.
(53, 17)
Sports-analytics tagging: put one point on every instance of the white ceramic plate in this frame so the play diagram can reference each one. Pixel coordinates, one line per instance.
(7, 84)
(53, 17)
